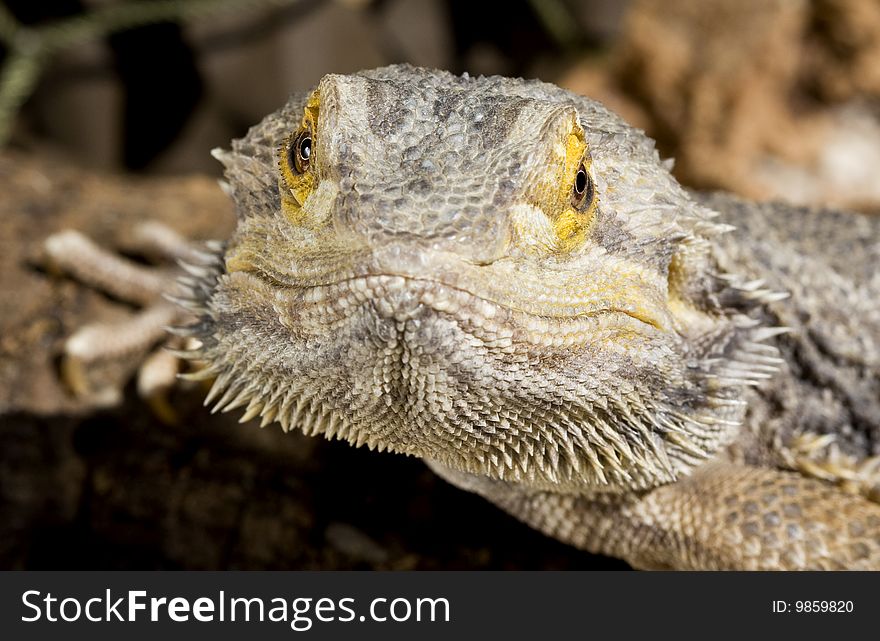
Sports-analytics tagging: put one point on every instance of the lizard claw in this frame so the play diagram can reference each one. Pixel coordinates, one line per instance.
(99, 357)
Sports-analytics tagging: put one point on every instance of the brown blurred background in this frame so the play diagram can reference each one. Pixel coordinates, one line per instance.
(107, 125)
(769, 98)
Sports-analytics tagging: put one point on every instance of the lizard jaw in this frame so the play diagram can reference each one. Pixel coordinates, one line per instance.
(394, 372)
(423, 367)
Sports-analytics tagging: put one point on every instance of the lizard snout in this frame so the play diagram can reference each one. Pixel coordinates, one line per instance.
(402, 231)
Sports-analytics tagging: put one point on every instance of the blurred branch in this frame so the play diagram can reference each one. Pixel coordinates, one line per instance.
(31, 48)
(8, 25)
(557, 20)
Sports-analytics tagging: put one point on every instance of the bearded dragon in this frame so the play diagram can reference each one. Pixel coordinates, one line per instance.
(504, 279)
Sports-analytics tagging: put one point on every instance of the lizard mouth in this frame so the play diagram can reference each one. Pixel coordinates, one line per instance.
(531, 319)
(523, 294)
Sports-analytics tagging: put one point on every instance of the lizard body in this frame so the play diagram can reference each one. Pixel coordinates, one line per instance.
(502, 278)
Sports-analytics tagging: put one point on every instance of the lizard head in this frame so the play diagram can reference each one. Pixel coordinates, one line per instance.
(493, 274)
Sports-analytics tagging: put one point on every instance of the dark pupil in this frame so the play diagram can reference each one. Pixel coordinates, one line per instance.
(580, 181)
(305, 148)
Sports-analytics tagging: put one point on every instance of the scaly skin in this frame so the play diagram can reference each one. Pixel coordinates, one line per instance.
(502, 278)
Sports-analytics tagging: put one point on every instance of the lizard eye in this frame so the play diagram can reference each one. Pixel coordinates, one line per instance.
(299, 154)
(582, 192)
